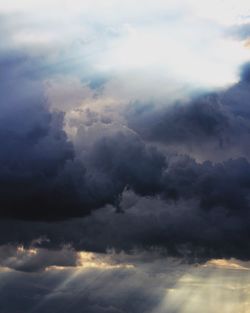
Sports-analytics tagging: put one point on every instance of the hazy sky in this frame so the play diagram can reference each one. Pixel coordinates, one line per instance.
(125, 157)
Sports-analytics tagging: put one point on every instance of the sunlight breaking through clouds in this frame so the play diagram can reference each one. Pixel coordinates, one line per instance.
(124, 156)
(183, 41)
(217, 286)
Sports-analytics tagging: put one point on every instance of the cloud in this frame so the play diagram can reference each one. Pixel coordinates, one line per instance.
(35, 260)
(36, 149)
(241, 31)
(191, 123)
(126, 161)
(154, 284)
(47, 177)
(39, 164)
(212, 126)
(245, 73)
(71, 150)
(183, 229)
(124, 178)
(74, 288)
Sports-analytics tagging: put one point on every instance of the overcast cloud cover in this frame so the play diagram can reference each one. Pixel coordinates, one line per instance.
(124, 132)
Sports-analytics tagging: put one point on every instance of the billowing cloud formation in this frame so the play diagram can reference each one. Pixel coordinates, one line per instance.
(36, 149)
(41, 177)
(75, 150)
(124, 156)
(45, 176)
(208, 127)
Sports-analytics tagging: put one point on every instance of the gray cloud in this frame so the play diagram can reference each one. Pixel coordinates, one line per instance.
(34, 260)
(54, 179)
(162, 154)
(208, 127)
(153, 285)
(150, 191)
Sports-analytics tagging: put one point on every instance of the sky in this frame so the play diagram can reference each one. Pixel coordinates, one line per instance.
(125, 158)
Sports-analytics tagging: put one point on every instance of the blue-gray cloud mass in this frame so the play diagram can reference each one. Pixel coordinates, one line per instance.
(43, 178)
(124, 157)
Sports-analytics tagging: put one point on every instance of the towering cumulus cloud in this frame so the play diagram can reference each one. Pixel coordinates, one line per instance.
(47, 177)
(41, 176)
(35, 149)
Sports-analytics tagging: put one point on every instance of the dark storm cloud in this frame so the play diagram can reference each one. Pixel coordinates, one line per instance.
(236, 98)
(126, 161)
(212, 127)
(194, 122)
(44, 176)
(208, 217)
(41, 177)
(209, 220)
(35, 149)
(245, 72)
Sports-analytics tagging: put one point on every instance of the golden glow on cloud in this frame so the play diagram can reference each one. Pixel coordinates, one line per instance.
(247, 44)
(218, 286)
(29, 252)
(227, 264)
(102, 262)
(90, 260)
(55, 268)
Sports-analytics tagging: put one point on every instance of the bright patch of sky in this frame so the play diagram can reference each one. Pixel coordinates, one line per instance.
(177, 42)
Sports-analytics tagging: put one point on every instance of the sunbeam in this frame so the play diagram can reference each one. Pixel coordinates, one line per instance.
(218, 286)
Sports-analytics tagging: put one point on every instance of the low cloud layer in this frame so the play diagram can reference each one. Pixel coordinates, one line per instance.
(152, 284)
